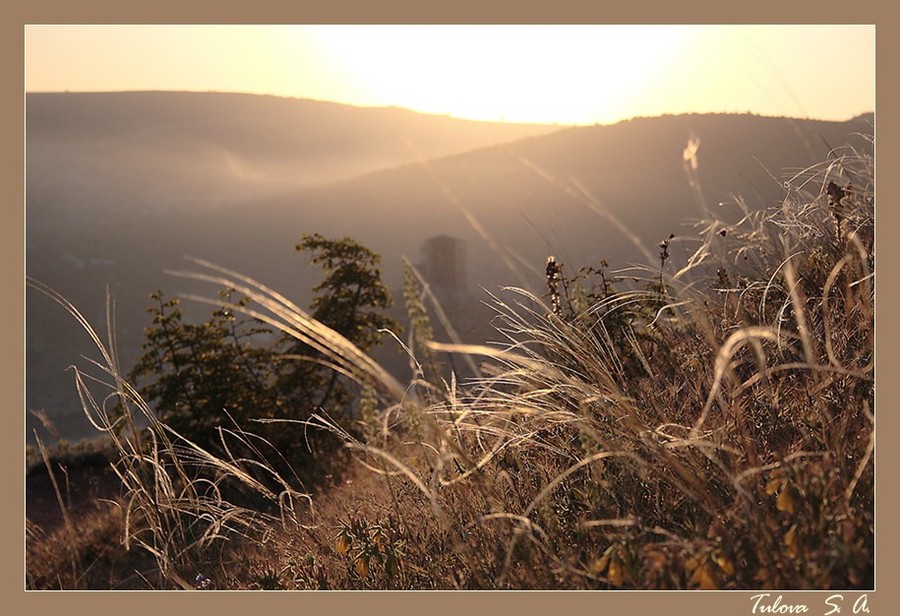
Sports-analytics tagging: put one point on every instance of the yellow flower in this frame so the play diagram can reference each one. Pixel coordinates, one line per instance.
(615, 573)
(725, 564)
(362, 566)
(600, 564)
(342, 544)
(785, 501)
(704, 577)
(790, 540)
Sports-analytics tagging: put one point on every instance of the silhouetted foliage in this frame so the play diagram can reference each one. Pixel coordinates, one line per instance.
(230, 370)
(350, 301)
(198, 374)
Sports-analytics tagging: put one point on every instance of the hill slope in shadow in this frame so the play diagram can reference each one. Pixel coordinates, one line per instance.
(179, 149)
(98, 217)
(583, 193)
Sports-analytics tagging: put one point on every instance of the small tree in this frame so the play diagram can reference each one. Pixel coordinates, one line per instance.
(232, 370)
(350, 300)
(196, 375)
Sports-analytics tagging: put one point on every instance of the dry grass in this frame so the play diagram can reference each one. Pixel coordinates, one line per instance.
(711, 427)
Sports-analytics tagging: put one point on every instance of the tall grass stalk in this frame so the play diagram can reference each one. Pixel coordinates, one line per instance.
(713, 428)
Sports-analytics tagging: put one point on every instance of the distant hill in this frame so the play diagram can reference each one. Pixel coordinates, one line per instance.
(114, 181)
(524, 194)
(168, 149)
(122, 186)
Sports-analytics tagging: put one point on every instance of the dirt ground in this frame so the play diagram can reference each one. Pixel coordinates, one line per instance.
(83, 489)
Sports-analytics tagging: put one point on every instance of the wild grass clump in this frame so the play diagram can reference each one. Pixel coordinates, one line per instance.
(709, 426)
(692, 432)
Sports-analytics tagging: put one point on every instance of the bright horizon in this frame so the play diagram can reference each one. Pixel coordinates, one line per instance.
(576, 74)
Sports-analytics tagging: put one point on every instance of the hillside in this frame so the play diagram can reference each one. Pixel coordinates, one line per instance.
(175, 149)
(713, 432)
(98, 174)
(525, 194)
(114, 179)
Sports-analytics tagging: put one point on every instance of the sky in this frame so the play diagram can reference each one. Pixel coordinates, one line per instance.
(575, 74)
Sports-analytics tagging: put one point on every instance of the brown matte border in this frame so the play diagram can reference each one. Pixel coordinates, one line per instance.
(410, 11)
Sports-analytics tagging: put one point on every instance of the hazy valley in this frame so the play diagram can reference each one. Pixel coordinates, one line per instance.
(120, 187)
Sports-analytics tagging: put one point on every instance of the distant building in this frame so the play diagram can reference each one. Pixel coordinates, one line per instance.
(444, 262)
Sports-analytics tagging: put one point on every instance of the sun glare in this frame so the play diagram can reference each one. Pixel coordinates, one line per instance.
(565, 74)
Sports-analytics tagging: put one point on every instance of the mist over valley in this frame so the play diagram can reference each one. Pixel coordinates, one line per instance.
(122, 187)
